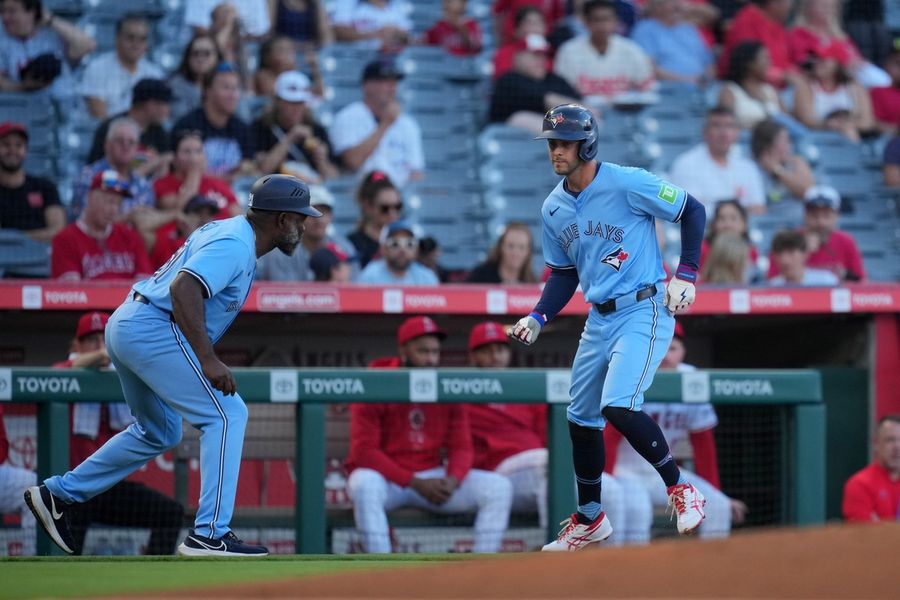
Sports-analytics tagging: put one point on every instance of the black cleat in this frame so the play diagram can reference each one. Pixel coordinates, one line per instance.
(227, 545)
(50, 512)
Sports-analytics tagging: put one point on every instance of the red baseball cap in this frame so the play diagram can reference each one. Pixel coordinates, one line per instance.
(679, 330)
(415, 327)
(10, 127)
(489, 332)
(91, 322)
(110, 181)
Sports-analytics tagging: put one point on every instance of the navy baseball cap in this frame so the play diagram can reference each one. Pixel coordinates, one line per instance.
(382, 68)
(151, 89)
(395, 228)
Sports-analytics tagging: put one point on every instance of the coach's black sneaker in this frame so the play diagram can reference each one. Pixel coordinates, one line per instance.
(227, 545)
(51, 513)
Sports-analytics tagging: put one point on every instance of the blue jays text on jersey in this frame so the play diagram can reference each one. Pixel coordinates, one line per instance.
(608, 231)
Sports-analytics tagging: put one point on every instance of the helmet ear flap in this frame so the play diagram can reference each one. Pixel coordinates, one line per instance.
(588, 149)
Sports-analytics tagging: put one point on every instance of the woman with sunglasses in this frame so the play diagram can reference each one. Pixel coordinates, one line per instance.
(200, 57)
(509, 261)
(380, 205)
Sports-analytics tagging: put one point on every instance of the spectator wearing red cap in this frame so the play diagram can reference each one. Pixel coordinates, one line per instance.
(457, 34)
(96, 246)
(828, 247)
(680, 423)
(13, 480)
(396, 456)
(27, 203)
(126, 504)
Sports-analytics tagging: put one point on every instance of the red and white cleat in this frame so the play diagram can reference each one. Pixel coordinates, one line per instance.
(686, 503)
(575, 536)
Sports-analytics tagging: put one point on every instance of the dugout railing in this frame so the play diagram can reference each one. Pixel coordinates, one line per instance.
(797, 394)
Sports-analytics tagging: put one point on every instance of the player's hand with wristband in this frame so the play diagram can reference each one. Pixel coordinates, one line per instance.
(528, 328)
(680, 292)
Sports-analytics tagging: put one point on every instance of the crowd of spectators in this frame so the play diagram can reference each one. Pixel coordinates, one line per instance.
(177, 140)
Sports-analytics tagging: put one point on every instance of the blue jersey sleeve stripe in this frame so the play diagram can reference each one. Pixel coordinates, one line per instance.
(558, 267)
(207, 293)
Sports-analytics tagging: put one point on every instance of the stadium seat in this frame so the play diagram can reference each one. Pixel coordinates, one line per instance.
(20, 256)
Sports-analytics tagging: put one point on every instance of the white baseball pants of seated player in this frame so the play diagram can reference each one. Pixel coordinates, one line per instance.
(717, 523)
(374, 496)
(13, 483)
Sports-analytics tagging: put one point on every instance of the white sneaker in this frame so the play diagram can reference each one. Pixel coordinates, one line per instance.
(575, 536)
(686, 503)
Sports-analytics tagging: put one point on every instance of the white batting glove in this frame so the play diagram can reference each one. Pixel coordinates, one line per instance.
(528, 328)
(679, 294)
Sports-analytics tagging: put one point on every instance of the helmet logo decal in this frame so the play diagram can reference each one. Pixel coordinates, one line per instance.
(555, 120)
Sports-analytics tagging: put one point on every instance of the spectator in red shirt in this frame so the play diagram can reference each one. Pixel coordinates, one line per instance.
(506, 14)
(829, 248)
(886, 100)
(457, 34)
(529, 34)
(762, 21)
(128, 503)
(199, 211)
(873, 494)
(96, 246)
(188, 179)
(395, 456)
(14, 480)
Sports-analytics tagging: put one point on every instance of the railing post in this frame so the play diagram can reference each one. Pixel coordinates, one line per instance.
(309, 518)
(52, 455)
(809, 462)
(560, 473)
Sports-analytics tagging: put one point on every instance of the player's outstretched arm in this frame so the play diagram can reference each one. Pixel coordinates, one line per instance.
(557, 292)
(680, 292)
(190, 316)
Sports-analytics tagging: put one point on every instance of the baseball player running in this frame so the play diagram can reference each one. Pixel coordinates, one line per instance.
(599, 231)
(161, 343)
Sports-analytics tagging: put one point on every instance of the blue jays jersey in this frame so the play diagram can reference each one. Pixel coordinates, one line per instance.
(221, 255)
(608, 233)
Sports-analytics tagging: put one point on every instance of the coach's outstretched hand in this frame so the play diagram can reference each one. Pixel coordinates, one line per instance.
(527, 329)
(679, 294)
(219, 376)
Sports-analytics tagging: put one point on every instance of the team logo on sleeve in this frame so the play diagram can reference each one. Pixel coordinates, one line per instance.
(615, 258)
(667, 193)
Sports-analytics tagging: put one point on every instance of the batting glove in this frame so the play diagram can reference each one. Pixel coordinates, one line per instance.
(680, 292)
(528, 328)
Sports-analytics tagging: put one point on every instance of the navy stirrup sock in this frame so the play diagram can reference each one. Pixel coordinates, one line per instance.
(589, 459)
(645, 437)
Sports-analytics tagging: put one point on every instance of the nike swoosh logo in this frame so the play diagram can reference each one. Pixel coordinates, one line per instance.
(55, 513)
(221, 545)
(553, 212)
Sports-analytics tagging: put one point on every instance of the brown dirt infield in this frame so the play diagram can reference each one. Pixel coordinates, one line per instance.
(836, 561)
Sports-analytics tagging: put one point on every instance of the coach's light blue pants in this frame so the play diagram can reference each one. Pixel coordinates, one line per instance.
(162, 382)
(617, 357)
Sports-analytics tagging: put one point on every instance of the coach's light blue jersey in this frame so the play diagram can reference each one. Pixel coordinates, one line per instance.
(608, 232)
(221, 255)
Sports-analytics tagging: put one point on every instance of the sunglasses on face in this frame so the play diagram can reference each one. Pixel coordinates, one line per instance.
(397, 243)
(386, 208)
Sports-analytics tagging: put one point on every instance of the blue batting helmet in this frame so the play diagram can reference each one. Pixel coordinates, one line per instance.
(281, 193)
(572, 122)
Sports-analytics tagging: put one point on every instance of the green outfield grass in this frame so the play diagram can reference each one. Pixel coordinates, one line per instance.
(73, 577)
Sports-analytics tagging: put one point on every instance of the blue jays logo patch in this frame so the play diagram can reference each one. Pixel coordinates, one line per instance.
(556, 120)
(615, 258)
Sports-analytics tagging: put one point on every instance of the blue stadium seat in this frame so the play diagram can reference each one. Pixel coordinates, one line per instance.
(20, 256)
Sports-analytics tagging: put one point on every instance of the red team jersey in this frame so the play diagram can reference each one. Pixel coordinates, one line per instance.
(444, 34)
(211, 187)
(121, 255)
(399, 440)
(871, 495)
(503, 430)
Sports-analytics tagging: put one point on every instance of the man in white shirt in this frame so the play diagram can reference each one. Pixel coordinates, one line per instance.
(374, 134)
(376, 24)
(253, 15)
(108, 79)
(790, 251)
(603, 63)
(715, 170)
(398, 265)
